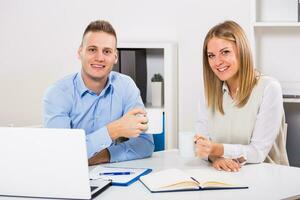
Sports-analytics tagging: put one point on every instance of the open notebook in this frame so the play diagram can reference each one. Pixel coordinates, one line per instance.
(172, 180)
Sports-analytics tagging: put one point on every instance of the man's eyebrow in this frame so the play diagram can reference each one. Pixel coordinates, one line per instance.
(92, 46)
(108, 48)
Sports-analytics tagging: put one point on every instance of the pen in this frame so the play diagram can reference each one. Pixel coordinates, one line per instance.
(116, 173)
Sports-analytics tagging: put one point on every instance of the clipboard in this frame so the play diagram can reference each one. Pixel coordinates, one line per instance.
(118, 180)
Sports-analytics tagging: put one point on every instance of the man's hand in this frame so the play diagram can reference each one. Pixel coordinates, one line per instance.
(226, 164)
(101, 157)
(132, 124)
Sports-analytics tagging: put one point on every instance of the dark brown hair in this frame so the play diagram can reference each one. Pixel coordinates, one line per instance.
(100, 26)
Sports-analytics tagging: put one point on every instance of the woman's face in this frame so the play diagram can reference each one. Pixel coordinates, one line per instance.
(223, 59)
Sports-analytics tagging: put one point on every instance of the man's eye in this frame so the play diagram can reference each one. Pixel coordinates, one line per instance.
(107, 52)
(92, 50)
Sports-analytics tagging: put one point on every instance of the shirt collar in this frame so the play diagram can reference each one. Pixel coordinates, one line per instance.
(225, 87)
(82, 89)
(108, 85)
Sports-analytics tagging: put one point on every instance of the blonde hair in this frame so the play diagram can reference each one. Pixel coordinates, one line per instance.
(230, 31)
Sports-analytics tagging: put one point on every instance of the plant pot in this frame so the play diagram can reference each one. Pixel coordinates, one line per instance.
(157, 94)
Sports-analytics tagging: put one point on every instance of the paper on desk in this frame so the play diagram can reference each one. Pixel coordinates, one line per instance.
(120, 179)
(155, 120)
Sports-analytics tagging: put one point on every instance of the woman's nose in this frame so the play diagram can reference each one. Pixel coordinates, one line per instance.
(218, 60)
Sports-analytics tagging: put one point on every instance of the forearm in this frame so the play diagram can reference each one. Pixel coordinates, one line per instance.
(254, 153)
(234, 151)
(134, 148)
(217, 150)
(101, 157)
(97, 141)
(114, 128)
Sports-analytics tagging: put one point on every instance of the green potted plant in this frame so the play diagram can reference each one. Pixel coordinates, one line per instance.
(157, 90)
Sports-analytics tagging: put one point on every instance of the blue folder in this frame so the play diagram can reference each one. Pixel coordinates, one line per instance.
(116, 183)
(118, 180)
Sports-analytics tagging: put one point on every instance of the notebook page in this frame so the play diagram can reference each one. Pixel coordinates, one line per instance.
(215, 176)
(169, 177)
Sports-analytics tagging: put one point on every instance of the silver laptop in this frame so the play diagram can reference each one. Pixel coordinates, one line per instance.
(41, 162)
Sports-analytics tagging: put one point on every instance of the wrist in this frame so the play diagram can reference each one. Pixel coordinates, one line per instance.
(217, 149)
(113, 130)
(212, 159)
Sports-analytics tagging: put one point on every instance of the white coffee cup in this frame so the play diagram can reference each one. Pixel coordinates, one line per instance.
(155, 120)
(186, 144)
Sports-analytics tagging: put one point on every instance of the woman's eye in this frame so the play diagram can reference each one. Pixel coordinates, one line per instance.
(225, 52)
(210, 56)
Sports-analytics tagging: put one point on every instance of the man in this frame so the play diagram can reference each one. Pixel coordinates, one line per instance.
(106, 104)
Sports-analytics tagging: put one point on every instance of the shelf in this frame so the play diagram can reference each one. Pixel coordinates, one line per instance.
(149, 105)
(276, 24)
(168, 51)
(291, 100)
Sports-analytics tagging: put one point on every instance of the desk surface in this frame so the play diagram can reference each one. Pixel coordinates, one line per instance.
(265, 181)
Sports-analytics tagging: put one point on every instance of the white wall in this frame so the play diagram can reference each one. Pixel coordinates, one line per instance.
(39, 40)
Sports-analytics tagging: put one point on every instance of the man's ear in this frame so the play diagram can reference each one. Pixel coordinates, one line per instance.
(116, 57)
(79, 51)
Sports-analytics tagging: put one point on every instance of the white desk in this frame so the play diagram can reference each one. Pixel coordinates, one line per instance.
(265, 181)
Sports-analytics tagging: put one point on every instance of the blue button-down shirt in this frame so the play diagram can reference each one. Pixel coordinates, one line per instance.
(70, 104)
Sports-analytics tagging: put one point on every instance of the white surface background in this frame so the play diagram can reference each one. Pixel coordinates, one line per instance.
(39, 40)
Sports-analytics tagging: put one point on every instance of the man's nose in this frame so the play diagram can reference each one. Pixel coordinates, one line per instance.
(99, 56)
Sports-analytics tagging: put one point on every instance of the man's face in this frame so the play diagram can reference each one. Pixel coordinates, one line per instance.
(98, 54)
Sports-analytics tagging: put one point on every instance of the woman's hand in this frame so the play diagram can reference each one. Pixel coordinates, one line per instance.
(203, 146)
(226, 164)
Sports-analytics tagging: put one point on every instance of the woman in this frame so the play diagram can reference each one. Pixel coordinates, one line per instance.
(242, 119)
